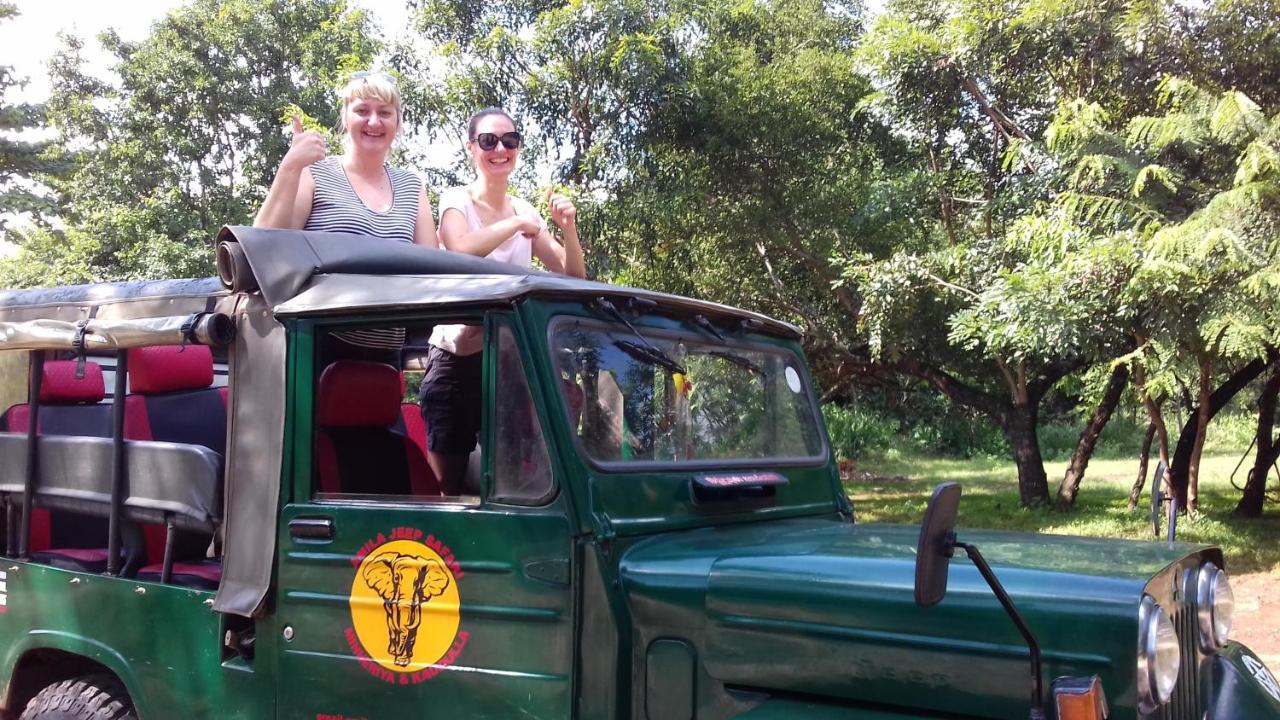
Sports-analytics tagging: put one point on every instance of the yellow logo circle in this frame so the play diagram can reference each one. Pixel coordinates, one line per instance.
(404, 606)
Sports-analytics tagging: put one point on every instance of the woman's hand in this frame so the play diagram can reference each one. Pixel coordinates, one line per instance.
(307, 148)
(288, 202)
(563, 212)
(567, 257)
(527, 225)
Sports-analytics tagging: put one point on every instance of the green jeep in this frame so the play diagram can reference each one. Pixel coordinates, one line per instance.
(217, 505)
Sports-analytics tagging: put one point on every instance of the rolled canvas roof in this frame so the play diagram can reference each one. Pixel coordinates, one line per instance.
(300, 273)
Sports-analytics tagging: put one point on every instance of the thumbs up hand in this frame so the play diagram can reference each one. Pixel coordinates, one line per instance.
(306, 148)
(563, 212)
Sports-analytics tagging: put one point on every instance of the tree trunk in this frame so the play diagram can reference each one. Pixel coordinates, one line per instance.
(1020, 428)
(1070, 486)
(1156, 418)
(1255, 489)
(1203, 409)
(1238, 381)
(1143, 456)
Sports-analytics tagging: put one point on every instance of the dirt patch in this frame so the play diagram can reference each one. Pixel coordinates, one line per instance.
(867, 478)
(1257, 622)
(850, 474)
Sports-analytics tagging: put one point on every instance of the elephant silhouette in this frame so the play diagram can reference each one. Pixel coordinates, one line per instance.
(404, 582)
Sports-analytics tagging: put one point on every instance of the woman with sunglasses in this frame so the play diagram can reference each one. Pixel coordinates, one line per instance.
(483, 219)
(357, 192)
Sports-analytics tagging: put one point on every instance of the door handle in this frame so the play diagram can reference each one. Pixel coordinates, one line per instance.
(311, 528)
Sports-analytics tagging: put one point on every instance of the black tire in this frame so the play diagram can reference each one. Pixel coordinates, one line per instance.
(92, 697)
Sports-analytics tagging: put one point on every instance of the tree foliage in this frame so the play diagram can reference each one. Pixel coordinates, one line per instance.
(21, 160)
(188, 138)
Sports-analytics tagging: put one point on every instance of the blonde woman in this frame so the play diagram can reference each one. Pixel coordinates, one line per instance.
(357, 192)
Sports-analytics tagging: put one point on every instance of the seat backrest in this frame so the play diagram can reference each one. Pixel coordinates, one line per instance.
(413, 426)
(357, 404)
(172, 399)
(70, 404)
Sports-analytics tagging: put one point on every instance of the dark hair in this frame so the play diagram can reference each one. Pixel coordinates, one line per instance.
(475, 120)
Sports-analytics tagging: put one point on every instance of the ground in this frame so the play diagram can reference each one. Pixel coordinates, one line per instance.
(895, 489)
(1257, 623)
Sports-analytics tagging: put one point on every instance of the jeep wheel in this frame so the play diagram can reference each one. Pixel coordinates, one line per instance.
(93, 697)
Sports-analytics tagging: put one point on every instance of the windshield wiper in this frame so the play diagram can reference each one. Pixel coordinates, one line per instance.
(645, 351)
(650, 355)
(702, 322)
(737, 360)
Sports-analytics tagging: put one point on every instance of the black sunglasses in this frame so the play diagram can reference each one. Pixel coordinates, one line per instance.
(489, 141)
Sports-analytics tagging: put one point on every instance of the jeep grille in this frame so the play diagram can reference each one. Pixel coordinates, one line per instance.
(1185, 703)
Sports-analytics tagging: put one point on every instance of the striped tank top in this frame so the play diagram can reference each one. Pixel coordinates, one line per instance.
(335, 207)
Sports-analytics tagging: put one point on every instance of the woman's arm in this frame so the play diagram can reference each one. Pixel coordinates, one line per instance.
(424, 227)
(288, 203)
(567, 258)
(455, 236)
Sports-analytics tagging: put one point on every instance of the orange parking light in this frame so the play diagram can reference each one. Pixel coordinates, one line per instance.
(1080, 698)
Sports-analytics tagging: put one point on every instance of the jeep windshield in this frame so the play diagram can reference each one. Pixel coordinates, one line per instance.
(643, 395)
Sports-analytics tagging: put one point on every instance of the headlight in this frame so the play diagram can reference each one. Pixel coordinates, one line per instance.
(1158, 656)
(1215, 607)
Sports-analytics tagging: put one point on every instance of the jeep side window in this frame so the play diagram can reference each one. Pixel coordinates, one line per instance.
(370, 436)
(521, 467)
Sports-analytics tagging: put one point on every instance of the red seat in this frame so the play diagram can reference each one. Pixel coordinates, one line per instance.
(358, 403)
(172, 399)
(415, 428)
(70, 404)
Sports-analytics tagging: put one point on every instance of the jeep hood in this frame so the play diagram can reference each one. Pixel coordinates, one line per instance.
(818, 607)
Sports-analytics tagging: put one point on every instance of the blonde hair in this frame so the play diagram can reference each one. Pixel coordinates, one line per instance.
(370, 85)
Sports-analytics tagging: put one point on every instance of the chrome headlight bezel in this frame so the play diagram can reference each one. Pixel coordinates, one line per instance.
(1159, 656)
(1215, 607)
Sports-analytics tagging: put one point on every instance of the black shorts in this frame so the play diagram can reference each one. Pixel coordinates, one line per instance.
(450, 399)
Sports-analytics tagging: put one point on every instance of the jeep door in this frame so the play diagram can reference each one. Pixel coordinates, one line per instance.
(395, 601)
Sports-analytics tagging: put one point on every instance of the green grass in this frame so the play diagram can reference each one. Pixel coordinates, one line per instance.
(902, 484)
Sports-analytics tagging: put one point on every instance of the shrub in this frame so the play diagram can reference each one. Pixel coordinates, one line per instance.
(856, 432)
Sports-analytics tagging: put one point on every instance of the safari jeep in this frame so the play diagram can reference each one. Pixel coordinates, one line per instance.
(217, 505)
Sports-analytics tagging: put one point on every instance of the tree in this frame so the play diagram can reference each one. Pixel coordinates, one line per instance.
(1017, 111)
(20, 160)
(1268, 451)
(1199, 184)
(189, 137)
(1023, 292)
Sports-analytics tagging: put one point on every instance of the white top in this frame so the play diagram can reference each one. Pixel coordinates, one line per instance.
(517, 250)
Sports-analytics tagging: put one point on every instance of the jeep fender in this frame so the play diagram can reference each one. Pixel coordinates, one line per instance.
(1242, 686)
(71, 644)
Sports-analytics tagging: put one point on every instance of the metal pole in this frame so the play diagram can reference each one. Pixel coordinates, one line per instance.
(118, 465)
(170, 534)
(33, 458)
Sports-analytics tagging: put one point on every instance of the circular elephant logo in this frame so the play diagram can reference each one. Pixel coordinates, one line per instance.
(404, 606)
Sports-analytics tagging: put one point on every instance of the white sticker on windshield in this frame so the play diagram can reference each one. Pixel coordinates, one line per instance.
(793, 379)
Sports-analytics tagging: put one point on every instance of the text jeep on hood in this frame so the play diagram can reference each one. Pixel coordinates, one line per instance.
(219, 504)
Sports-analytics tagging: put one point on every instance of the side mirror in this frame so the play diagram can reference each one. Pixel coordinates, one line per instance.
(937, 544)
